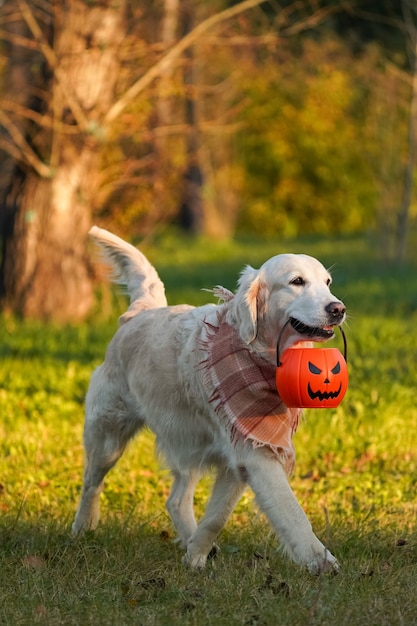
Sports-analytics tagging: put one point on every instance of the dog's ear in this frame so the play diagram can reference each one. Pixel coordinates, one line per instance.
(248, 302)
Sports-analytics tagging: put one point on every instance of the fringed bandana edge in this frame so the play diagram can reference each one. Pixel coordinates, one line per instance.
(243, 391)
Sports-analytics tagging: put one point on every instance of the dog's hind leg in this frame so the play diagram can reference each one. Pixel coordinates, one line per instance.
(180, 503)
(226, 493)
(108, 428)
(100, 458)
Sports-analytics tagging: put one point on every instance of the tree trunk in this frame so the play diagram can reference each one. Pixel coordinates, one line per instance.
(46, 269)
(191, 216)
(46, 272)
(403, 215)
(164, 146)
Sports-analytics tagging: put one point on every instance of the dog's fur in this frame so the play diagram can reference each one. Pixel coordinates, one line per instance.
(149, 377)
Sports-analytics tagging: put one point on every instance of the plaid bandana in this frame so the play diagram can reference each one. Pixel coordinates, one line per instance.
(243, 391)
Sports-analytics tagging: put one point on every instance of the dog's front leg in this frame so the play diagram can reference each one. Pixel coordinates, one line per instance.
(267, 478)
(180, 503)
(226, 493)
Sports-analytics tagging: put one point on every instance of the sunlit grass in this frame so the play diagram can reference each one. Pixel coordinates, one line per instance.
(355, 475)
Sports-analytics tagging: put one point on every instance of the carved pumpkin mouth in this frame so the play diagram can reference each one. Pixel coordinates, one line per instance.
(323, 395)
(327, 332)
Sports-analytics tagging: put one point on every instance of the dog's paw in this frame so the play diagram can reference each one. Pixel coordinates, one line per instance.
(77, 530)
(325, 564)
(197, 560)
(82, 525)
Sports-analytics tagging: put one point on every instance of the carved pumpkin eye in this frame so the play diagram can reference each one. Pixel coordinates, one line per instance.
(336, 369)
(313, 368)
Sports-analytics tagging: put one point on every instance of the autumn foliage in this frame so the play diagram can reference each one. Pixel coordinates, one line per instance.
(227, 119)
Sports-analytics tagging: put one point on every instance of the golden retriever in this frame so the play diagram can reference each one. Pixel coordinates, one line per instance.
(203, 380)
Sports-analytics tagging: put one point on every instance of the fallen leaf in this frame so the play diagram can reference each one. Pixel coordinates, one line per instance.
(34, 561)
(153, 583)
(40, 612)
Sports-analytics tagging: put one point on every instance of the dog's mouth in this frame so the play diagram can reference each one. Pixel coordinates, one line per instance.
(313, 332)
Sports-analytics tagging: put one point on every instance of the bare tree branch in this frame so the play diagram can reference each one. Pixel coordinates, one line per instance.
(311, 21)
(352, 9)
(244, 40)
(18, 40)
(42, 120)
(49, 54)
(11, 149)
(161, 66)
(26, 153)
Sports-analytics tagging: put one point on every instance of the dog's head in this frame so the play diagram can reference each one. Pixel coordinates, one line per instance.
(293, 287)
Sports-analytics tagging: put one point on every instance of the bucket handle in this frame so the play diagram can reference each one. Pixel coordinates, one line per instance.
(279, 363)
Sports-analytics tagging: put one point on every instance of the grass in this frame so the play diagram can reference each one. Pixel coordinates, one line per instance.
(355, 476)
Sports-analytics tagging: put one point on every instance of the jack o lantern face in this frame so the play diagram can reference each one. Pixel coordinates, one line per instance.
(328, 385)
(312, 377)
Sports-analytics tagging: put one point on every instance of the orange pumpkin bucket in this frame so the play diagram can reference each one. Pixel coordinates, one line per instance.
(312, 377)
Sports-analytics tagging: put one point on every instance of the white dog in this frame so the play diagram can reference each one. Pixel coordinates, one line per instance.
(203, 380)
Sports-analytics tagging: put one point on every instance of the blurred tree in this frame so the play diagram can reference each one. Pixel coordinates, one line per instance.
(303, 145)
(68, 85)
(229, 118)
(392, 109)
(70, 72)
(410, 23)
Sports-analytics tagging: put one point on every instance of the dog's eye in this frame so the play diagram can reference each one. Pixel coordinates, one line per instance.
(328, 281)
(298, 281)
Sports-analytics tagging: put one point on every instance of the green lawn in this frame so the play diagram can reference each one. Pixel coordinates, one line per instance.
(356, 472)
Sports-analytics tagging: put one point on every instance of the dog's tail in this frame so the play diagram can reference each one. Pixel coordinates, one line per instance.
(131, 268)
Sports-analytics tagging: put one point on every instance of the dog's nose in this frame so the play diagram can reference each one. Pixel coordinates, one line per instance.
(336, 310)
